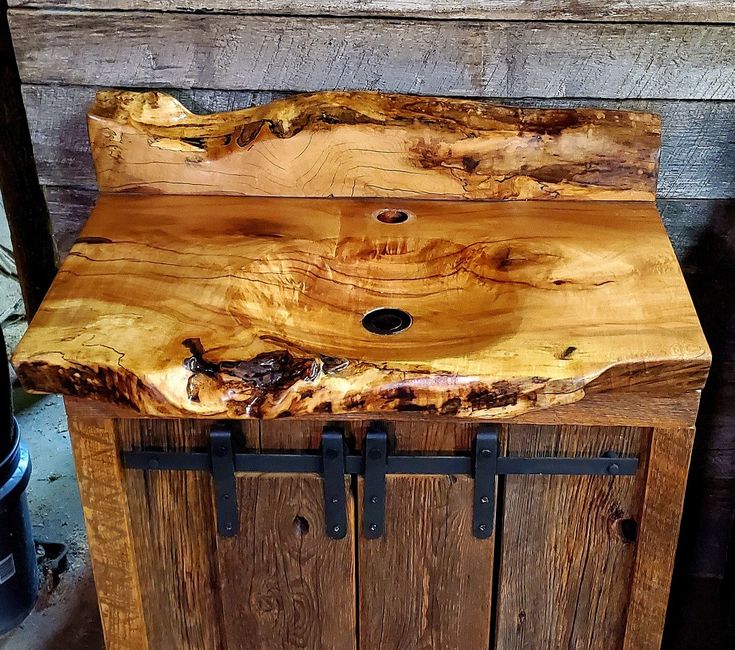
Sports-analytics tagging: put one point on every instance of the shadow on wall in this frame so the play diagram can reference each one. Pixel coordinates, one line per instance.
(707, 542)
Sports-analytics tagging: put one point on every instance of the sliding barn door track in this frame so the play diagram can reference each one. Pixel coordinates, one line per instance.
(334, 461)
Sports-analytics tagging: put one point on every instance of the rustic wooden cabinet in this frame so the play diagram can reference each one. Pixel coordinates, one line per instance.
(364, 370)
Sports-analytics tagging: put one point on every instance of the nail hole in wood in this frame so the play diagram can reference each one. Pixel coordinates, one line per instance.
(392, 216)
(300, 525)
(386, 321)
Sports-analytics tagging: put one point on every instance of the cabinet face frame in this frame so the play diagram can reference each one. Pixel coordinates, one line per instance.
(178, 585)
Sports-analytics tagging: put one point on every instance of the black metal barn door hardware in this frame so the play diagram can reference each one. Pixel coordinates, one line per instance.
(333, 462)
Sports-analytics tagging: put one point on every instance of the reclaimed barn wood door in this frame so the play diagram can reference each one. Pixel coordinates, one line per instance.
(427, 581)
(285, 583)
(564, 547)
(567, 544)
(573, 560)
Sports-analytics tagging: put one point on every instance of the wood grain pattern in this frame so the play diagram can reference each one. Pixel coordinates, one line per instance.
(109, 531)
(369, 144)
(668, 465)
(427, 582)
(600, 409)
(271, 336)
(568, 543)
(459, 58)
(285, 584)
(613, 10)
(300, 586)
(174, 537)
(697, 138)
(69, 209)
(408, 433)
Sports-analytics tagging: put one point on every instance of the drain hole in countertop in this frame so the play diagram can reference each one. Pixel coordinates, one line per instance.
(386, 321)
(392, 216)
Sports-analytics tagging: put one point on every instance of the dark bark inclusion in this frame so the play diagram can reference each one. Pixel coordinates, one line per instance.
(271, 374)
(265, 371)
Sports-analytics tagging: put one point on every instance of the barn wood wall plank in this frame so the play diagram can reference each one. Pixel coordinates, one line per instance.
(613, 10)
(458, 58)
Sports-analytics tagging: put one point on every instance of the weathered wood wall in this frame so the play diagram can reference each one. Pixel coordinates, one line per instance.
(674, 57)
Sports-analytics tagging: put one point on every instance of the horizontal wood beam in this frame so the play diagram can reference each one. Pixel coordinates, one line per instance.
(456, 58)
(697, 152)
(594, 10)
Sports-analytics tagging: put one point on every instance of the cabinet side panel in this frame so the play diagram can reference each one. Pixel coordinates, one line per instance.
(109, 531)
(568, 543)
(668, 467)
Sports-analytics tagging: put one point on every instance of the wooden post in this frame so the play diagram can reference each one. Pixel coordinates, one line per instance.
(25, 205)
(668, 465)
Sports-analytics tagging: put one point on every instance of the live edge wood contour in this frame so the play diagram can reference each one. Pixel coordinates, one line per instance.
(252, 307)
(200, 305)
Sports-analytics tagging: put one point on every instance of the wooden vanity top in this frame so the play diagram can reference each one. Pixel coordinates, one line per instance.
(216, 306)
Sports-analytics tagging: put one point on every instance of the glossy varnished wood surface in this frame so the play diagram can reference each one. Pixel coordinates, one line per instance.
(246, 307)
(353, 144)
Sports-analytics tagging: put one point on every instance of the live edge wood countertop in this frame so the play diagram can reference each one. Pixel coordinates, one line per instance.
(196, 305)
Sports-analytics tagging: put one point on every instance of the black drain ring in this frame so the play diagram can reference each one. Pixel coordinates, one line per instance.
(386, 321)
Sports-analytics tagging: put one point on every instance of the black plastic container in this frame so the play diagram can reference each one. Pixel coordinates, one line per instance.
(18, 567)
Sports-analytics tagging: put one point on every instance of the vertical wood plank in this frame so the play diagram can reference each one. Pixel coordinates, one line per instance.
(296, 588)
(427, 582)
(285, 584)
(109, 531)
(567, 543)
(668, 467)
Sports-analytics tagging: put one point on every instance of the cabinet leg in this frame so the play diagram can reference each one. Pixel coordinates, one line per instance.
(107, 518)
(668, 466)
